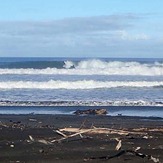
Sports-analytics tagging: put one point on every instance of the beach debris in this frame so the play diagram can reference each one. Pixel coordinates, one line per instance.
(93, 130)
(122, 152)
(149, 129)
(60, 133)
(43, 141)
(3, 125)
(156, 160)
(118, 147)
(107, 157)
(145, 137)
(96, 130)
(91, 112)
(33, 120)
(12, 146)
(72, 135)
(31, 138)
(137, 148)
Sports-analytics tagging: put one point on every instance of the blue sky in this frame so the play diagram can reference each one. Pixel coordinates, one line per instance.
(87, 28)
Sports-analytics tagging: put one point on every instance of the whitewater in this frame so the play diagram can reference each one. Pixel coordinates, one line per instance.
(93, 67)
(76, 82)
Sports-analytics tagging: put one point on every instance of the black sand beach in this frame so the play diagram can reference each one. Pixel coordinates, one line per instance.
(34, 138)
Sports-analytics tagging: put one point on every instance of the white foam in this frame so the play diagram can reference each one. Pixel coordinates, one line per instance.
(83, 84)
(68, 64)
(82, 103)
(95, 67)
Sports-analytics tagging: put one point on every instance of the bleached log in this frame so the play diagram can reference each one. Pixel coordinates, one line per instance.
(118, 147)
(60, 133)
(101, 131)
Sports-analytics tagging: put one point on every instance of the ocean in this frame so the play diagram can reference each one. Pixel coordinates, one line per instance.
(61, 85)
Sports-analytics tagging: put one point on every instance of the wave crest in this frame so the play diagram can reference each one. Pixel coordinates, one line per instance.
(94, 67)
(83, 84)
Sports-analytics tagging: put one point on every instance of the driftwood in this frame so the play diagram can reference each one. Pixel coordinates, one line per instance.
(43, 141)
(122, 152)
(79, 132)
(3, 125)
(94, 130)
(91, 112)
(101, 131)
(60, 133)
(33, 120)
(149, 129)
(118, 147)
(72, 135)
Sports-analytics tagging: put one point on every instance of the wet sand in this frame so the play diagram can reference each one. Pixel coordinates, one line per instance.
(17, 146)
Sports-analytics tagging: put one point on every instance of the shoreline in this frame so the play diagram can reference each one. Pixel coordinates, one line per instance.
(15, 144)
(131, 111)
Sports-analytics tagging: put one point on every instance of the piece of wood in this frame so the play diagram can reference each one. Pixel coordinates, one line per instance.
(148, 129)
(137, 148)
(60, 133)
(72, 135)
(122, 152)
(31, 138)
(119, 145)
(155, 160)
(102, 131)
(43, 141)
(1, 124)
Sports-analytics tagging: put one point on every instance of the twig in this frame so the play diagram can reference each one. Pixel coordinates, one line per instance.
(155, 160)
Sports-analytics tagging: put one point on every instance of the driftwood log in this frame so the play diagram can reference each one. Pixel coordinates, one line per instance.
(91, 112)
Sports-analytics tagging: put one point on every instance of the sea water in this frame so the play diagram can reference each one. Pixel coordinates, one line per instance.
(81, 82)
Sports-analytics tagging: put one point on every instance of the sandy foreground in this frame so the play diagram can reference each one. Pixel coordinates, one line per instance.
(72, 138)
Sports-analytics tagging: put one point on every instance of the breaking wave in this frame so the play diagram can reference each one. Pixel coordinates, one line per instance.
(94, 67)
(83, 84)
(82, 103)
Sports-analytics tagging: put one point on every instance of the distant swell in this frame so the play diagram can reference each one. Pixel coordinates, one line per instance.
(93, 67)
(83, 84)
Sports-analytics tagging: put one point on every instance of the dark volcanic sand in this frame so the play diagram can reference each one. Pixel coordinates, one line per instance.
(16, 147)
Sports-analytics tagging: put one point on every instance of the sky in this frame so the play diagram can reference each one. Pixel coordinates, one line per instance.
(87, 28)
